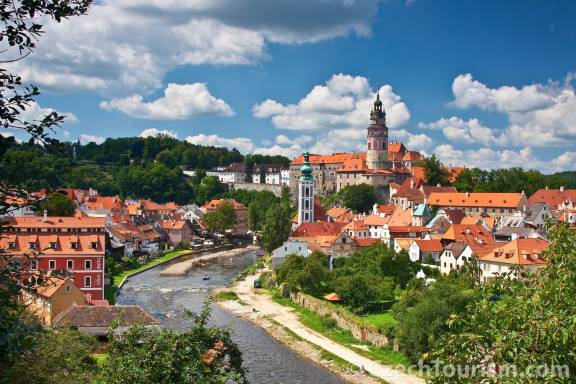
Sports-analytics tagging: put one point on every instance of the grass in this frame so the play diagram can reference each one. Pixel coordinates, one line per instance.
(341, 336)
(100, 358)
(225, 296)
(110, 291)
(260, 263)
(380, 320)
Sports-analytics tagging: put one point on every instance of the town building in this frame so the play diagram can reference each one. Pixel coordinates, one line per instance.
(271, 174)
(178, 231)
(426, 251)
(54, 296)
(474, 204)
(241, 225)
(289, 247)
(454, 256)
(73, 244)
(555, 199)
(234, 173)
(525, 254)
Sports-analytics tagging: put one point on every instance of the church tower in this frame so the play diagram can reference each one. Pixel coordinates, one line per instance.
(377, 153)
(306, 192)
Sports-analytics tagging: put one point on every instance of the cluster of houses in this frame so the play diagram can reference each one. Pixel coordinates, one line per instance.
(71, 251)
(437, 226)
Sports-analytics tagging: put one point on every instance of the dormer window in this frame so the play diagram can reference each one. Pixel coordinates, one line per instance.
(11, 245)
(32, 245)
(74, 245)
(93, 245)
(53, 245)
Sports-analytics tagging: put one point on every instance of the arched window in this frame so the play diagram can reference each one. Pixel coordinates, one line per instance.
(307, 204)
(306, 216)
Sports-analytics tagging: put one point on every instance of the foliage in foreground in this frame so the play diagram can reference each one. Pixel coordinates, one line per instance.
(199, 355)
(532, 324)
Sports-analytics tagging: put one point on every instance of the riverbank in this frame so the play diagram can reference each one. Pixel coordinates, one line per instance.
(118, 280)
(260, 305)
(183, 267)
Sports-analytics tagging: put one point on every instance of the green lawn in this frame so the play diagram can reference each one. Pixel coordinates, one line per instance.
(100, 358)
(327, 328)
(380, 319)
(110, 291)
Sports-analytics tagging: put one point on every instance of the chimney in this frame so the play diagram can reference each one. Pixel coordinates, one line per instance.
(467, 194)
(438, 185)
(411, 183)
(562, 188)
(468, 230)
(45, 219)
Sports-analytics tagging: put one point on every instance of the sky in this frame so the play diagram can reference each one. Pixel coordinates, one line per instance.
(486, 84)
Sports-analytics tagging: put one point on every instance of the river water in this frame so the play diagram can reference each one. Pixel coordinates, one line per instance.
(166, 298)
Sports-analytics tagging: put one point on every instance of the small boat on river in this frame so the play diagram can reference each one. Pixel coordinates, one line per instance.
(206, 277)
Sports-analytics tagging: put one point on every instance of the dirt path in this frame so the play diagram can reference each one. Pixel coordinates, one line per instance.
(183, 267)
(286, 317)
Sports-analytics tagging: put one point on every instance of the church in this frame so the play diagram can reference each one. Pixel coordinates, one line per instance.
(382, 163)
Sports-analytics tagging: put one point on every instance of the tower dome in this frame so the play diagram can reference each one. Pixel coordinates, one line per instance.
(306, 169)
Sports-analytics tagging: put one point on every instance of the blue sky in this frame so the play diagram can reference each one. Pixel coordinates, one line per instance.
(485, 83)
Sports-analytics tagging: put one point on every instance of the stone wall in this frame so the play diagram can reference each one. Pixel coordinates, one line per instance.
(276, 189)
(322, 308)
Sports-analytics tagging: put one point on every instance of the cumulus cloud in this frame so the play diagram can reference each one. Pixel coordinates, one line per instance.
(488, 158)
(180, 101)
(299, 140)
(414, 142)
(472, 93)
(35, 112)
(243, 144)
(129, 45)
(85, 139)
(344, 102)
(469, 131)
(155, 132)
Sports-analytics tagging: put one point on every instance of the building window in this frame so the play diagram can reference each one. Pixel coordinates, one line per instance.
(88, 264)
(11, 245)
(68, 288)
(32, 245)
(53, 245)
(73, 245)
(33, 265)
(70, 264)
(52, 265)
(87, 281)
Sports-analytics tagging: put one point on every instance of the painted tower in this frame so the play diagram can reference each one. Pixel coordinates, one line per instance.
(306, 192)
(377, 153)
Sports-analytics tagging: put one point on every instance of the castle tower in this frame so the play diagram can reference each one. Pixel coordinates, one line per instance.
(377, 152)
(306, 192)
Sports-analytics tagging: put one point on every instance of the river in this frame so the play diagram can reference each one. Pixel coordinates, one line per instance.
(166, 298)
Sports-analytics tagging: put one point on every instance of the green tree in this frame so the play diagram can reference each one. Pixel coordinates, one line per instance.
(435, 171)
(276, 228)
(221, 219)
(198, 355)
(307, 274)
(522, 322)
(357, 291)
(59, 357)
(360, 198)
(56, 205)
(209, 188)
(262, 202)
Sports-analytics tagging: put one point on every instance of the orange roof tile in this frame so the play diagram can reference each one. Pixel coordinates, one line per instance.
(376, 220)
(553, 197)
(429, 245)
(518, 252)
(356, 225)
(329, 159)
(55, 222)
(213, 204)
(366, 241)
(319, 228)
(504, 200)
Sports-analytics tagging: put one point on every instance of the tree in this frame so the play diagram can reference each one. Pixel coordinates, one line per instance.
(59, 357)
(198, 355)
(222, 218)
(357, 291)
(307, 274)
(276, 228)
(527, 322)
(435, 171)
(359, 198)
(56, 205)
(262, 202)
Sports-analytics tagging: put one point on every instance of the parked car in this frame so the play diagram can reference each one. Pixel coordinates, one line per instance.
(208, 242)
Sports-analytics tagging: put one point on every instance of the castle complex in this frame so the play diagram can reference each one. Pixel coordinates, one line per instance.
(382, 163)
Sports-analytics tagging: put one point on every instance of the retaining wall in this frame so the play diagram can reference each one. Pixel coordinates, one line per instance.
(323, 308)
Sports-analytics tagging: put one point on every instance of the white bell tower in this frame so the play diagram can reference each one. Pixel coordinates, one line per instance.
(306, 192)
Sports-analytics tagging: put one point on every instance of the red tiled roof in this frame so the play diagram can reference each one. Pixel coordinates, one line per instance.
(506, 200)
(89, 316)
(43, 242)
(334, 158)
(366, 241)
(429, 245)
(518, 252)
(553, 197)
(55, 222)
(408, 228)
(213, 204)
(319, 228)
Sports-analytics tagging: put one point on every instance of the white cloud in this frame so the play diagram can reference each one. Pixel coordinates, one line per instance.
(85, 139)
(299, 140)
(35, 112)
(344, 102)
(180, 101)
(154, 132)
(243, 144)
(466, 131)
(488, 158)
(414, 142)
(472, 93)
(129, 45)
